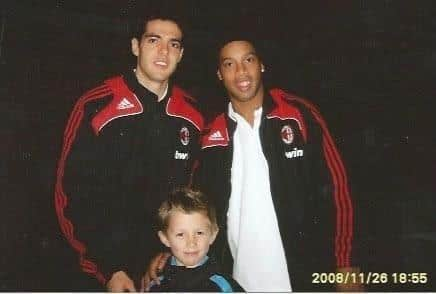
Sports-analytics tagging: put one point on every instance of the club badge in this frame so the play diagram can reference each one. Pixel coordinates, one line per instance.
(184, 136)
(287, 134)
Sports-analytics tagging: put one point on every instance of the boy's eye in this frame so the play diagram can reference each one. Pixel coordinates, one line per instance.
(179, 235)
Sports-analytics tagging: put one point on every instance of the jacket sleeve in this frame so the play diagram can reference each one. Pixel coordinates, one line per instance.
(83, 193)
(335, 210)
(211, 177)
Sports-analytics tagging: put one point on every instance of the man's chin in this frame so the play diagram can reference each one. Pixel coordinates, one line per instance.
(241, 96)
(162, 76)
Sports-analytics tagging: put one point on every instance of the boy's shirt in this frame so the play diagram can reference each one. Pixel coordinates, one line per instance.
(206, 277)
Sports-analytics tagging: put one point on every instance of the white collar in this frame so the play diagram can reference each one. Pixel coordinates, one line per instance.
(238, 118)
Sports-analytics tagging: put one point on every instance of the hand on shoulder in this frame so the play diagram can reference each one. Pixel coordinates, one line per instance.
(120, 282)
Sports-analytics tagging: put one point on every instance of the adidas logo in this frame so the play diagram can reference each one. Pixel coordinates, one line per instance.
(216, 136)
(125, 104)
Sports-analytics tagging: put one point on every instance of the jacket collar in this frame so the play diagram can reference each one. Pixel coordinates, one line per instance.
(125, 102)
(284, 109)
(275, 106)
(144, 94)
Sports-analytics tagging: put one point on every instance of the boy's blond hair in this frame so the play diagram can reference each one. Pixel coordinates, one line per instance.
(187, 201)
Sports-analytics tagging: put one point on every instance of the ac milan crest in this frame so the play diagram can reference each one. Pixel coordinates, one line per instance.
(184, 136)
(287, 134)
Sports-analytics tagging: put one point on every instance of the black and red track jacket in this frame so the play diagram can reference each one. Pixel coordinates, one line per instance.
(308, 185)
(122, 153)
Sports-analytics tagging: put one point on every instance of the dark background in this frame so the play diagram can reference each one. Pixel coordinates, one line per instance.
(369, 65)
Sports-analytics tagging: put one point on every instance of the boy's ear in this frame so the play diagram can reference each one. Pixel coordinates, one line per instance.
(163, 238)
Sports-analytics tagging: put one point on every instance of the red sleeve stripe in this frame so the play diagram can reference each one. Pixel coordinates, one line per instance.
(344, 208)
(343, 205)
(346, 234)
(61, 199)
(79, 107)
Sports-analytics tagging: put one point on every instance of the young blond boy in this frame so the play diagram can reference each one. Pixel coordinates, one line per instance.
(188, 227)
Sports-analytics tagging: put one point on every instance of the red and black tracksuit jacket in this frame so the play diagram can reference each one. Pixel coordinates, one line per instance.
(122, 153)
(308, 185)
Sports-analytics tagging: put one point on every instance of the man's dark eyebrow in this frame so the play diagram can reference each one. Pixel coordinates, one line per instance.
(151, 36)
(225, 59)
(177, 40)
(159, 37)
(251, 53)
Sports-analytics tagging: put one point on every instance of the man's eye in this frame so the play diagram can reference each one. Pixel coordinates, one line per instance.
(179, 235)
(228, 64)
(200, 233)
(250, 59)
(152, 40)
(176, 45)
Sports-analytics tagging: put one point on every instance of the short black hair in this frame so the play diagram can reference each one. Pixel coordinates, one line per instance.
(238, 35)
(139, 22)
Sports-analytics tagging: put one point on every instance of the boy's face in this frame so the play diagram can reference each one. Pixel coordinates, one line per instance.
(189, 237)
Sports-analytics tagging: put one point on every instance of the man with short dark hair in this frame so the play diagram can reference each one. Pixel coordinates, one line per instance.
(128, 142)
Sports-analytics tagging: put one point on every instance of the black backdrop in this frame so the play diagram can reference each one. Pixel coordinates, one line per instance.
(369, 65)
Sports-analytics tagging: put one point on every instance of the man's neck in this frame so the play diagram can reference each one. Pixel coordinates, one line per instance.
(158, 88)
(246, 109)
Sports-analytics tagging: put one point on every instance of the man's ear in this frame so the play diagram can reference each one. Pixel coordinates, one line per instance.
(218, 73)
(135, 46)
(163, 238)
(180, 55)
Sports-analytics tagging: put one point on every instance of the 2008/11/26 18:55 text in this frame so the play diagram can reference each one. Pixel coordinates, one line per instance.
(369, 278)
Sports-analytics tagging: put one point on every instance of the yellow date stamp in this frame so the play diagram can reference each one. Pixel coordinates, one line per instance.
(370, 278)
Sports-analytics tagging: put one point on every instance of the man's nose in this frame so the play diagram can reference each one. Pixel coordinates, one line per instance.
(163, 49)
(241, 68)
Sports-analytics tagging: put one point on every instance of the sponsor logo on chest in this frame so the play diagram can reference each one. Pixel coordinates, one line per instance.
(181, 155)
(294, 153)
